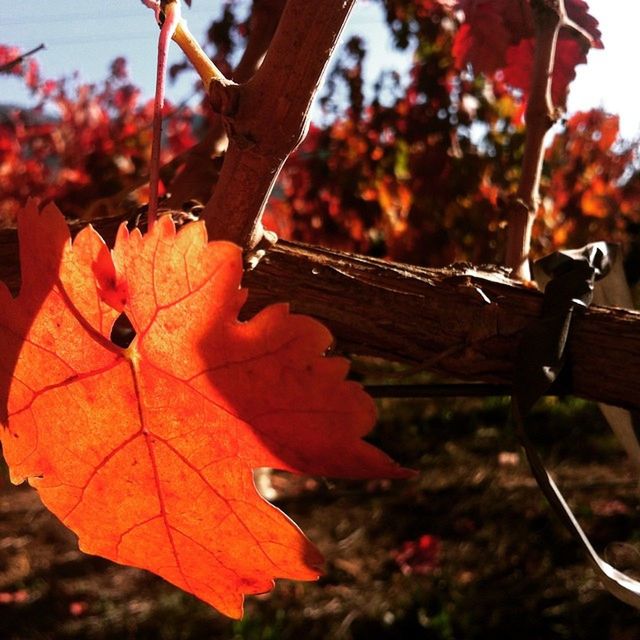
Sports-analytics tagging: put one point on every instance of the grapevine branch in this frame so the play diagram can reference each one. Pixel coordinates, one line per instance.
(267, 116)
(540, 117)
(201, 164)
(464, 324)
(265, 16)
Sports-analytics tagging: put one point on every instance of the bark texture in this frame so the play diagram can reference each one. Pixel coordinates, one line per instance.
(460, 321)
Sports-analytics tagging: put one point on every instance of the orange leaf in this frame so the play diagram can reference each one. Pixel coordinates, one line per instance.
(147, 452)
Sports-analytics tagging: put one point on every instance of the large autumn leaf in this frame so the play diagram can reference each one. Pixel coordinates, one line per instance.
(147, 452)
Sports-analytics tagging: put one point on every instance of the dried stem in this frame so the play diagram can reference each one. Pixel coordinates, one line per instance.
(540, 116)
(201, 62)
(5, 68)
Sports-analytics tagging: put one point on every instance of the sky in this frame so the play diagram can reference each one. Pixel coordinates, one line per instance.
(87, 36)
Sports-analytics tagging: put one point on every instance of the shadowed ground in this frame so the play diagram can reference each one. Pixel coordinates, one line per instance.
(500, 565)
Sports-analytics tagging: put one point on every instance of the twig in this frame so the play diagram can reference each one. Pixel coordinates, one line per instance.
(20, 59)
(549, 16)
(201, 62)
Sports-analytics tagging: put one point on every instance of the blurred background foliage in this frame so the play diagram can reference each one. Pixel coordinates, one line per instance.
(417, 168)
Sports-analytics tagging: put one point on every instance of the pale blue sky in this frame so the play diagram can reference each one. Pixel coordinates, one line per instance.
(86, 36)
(87, 39)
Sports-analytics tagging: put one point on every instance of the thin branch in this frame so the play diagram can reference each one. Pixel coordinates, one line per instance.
(265, 15)
(5, 68)
(201, 62)
(549, 16)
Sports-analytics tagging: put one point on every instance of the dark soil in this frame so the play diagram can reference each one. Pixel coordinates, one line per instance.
(497, 564)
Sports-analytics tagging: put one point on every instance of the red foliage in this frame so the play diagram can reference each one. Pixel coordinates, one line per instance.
(419, 556)
(86, 146)
(421, 173)
(591, 187)
(403, 177)
(27, 69)
(497, 36)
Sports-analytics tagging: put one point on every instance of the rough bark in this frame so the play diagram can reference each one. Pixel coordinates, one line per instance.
(461, 322)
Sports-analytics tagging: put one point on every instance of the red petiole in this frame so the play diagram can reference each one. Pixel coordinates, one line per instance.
(168, 15)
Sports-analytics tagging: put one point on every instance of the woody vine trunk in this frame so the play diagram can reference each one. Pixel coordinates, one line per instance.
(461, 322)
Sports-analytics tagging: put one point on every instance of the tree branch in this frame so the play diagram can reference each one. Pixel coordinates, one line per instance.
(462, 323)
(265, 16)
(549, 16)
(201, 167)
(8, 66)
(268, 116)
